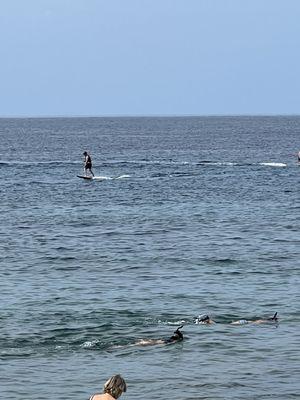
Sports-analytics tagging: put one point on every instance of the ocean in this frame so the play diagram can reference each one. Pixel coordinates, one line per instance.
(188, 216)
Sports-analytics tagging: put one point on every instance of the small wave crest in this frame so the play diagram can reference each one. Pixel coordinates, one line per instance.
(218, 163)
(172, 323)
(273, 164)
(122, 177)
(90, 344)
(109, 178)
(102, 178)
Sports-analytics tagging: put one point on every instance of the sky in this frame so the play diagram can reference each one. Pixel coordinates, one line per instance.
(149, 57)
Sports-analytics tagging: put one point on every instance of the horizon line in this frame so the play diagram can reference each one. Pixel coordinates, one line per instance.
(50, 116)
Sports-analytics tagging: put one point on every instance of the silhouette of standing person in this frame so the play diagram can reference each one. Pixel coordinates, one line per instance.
(87, 164)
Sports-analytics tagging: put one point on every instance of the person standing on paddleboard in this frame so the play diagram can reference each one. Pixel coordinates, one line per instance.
(87, 164)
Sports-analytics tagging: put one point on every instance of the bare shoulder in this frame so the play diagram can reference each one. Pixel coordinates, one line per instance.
(95, 397)
(104, 396)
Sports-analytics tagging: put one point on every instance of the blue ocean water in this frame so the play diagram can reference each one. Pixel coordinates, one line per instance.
(190, 216)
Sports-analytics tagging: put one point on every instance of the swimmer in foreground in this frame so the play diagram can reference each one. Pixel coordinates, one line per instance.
(176, 337)
(299, 156)
(203, 320)
(270, 320)
(206, 320)
(112, 389)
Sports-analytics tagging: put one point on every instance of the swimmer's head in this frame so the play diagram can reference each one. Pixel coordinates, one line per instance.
(85, 153)
(202, 319)
(115, 386)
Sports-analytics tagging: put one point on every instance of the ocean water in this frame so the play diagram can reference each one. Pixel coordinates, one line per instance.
(190, 216)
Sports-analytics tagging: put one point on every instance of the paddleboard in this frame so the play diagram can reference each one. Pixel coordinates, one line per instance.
(102, 178)
(85, 177)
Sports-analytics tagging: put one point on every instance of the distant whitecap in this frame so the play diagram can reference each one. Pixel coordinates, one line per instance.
(273, 164)
(90, 343)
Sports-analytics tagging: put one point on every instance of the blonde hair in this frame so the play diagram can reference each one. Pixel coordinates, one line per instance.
(115, 386)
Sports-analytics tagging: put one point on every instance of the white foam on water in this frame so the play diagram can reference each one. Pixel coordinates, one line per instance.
(102, 178)
(218, 163)
(273, 164)
(122, 177)
(109, 178)
(90, 343)
(173, 323)
(227, 163)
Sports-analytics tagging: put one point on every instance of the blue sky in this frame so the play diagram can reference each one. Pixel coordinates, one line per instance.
(149, 57)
